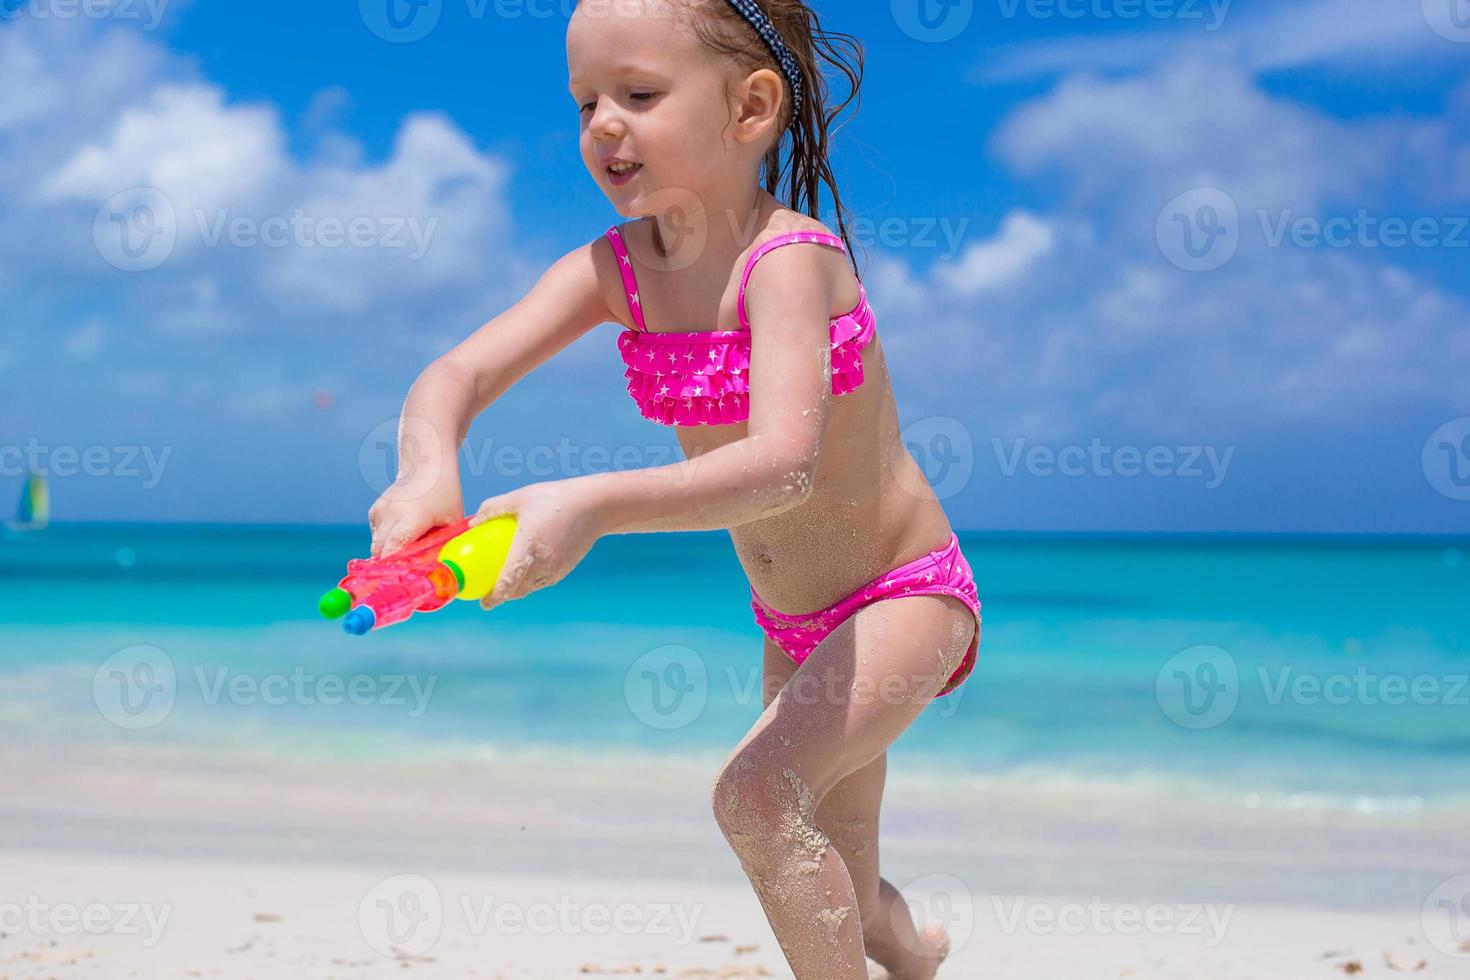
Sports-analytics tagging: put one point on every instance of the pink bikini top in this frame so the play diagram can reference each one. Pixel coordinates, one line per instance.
(702, 377)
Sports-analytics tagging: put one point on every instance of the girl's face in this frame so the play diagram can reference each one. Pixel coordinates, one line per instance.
(649, 94)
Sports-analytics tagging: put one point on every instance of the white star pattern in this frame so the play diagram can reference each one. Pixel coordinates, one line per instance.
(707, 402)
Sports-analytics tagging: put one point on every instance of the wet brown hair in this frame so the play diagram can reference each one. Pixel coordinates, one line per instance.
(722, 29)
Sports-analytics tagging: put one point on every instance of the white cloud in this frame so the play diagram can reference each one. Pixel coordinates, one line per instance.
(436, 207)
(1268, 37)
(1107, 332)
(407, 239)
(185, 142)
(1191, 123)
(1023, 241)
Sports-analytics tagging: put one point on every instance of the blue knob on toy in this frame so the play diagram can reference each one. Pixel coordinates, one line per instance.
(359, 621)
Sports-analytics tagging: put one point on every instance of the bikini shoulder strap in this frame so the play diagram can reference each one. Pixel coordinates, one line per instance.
(820, 237)
(630, 282)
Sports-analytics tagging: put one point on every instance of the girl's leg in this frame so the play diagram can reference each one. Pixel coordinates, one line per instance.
(849, 818)
(848, 815)
(857, 692)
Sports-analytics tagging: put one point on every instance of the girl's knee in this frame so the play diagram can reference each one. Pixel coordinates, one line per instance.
(757, 802)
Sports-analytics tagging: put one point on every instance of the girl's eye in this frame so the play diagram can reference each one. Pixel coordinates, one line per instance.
(640, 96)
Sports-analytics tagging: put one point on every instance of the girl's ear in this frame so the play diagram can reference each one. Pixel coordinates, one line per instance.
(759, 105)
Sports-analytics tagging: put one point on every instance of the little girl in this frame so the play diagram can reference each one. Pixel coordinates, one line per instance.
(765, 361)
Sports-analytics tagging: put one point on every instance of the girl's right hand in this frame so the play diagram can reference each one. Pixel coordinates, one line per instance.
(403, 513)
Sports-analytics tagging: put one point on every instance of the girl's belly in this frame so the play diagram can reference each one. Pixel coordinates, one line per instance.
(847, 533)
(871, 508)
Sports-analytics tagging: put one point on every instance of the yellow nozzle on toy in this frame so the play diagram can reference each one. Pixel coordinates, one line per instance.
(478, 555)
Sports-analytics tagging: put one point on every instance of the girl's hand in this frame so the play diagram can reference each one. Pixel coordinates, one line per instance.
(556, 525)
(405, 511)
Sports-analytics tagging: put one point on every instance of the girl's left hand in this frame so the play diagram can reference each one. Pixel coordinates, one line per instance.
(556, 525)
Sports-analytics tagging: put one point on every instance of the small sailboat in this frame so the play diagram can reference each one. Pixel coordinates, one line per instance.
(34, 512)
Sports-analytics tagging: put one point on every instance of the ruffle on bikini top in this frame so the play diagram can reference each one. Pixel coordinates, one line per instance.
(703, 377)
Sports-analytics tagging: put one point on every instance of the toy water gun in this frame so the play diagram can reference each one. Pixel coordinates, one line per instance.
(455, 561)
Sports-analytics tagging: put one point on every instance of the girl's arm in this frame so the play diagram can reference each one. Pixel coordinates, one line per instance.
(566, 302)
(788, 300)
(450, 393)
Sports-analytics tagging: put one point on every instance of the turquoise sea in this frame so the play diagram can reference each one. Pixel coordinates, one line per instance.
(1269, 673)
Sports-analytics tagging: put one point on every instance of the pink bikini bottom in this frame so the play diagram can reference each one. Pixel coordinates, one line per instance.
(943, 571)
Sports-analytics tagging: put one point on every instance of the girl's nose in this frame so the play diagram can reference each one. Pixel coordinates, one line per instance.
(606, 121)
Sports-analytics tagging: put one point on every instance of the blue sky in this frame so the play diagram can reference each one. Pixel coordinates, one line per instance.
(1024, 174)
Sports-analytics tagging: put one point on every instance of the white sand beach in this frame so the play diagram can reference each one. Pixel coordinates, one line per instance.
(147, 863)
(220, 918)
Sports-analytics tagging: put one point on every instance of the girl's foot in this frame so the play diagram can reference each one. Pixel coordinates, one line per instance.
(934, 947)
